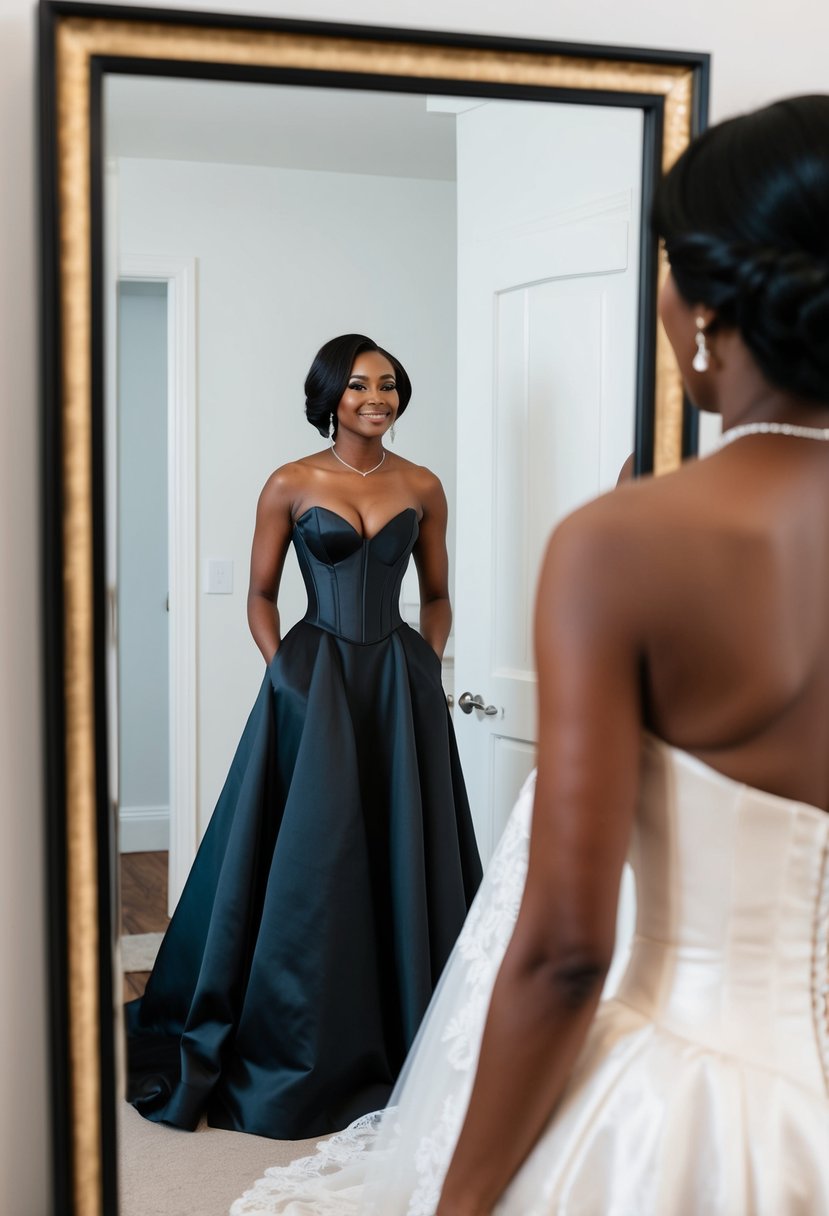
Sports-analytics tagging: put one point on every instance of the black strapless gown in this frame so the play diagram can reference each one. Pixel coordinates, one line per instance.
(333, 879)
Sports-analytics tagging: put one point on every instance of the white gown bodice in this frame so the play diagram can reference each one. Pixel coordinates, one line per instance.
(730, 948)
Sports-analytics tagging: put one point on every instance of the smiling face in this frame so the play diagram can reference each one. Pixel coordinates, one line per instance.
(370, 402)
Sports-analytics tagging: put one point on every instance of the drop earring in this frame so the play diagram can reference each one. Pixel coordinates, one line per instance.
(702, 357)
(391, 432)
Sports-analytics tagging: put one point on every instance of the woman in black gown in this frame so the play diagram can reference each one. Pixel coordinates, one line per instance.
(340, 860)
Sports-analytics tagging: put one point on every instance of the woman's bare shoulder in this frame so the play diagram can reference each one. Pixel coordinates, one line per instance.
(289, 481)
(689, 497)
(422, 481)
(416, 471)
(643, 534)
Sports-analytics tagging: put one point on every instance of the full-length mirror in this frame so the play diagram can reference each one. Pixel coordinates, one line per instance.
(251, 223)
(481, 214)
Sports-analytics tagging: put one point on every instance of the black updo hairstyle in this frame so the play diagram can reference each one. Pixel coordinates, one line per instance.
(329, 375)
(744, 214)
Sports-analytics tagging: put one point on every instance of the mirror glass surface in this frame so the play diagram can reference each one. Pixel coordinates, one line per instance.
(491, 245)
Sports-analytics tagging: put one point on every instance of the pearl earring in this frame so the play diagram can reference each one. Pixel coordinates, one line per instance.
(701, 358)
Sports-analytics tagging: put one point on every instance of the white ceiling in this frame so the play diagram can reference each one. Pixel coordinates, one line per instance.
(337, 130)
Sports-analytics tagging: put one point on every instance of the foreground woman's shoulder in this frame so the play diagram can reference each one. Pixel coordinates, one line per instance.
(650, 506)
(635, 535)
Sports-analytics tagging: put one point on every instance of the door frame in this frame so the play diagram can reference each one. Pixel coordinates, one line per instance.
(179, 275)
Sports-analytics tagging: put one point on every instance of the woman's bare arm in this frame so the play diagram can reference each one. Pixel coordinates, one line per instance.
(550, 981)
(271, 538)
(432, 565)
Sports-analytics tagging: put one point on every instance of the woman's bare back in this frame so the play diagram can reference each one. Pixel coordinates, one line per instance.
(729, 557)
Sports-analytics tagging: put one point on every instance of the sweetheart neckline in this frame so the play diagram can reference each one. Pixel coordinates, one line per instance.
(695, 762)
(356, 531)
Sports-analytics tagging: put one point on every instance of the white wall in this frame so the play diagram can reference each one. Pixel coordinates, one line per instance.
(287, 259)
(761, 50)
(24, 1117)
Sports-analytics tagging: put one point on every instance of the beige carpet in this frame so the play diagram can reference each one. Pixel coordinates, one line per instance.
(164, 1172)
(138, 951)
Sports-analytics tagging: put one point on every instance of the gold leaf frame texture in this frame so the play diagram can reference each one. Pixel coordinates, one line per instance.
(79, 38)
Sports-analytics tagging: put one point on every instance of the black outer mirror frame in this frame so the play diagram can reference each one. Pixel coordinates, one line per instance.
(79, 45)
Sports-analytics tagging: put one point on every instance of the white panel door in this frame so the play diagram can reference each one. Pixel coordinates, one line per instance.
(547, 305)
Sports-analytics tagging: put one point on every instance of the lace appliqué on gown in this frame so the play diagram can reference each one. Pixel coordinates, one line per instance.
(302, 1183)
(337, 1178)
(481, 945)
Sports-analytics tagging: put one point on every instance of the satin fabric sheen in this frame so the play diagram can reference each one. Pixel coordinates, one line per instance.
(334, 876)
(703, 1086)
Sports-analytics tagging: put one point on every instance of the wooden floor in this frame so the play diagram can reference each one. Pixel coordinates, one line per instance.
(143, 905)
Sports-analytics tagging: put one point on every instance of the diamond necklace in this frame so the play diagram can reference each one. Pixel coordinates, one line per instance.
(773, 428)
(351, 466)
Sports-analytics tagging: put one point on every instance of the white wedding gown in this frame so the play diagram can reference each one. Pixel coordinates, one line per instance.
(703, 1086)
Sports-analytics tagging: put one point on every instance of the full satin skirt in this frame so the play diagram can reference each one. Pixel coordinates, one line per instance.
(325, 899)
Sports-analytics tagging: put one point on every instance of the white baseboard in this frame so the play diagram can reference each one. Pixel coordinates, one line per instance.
(144, 829)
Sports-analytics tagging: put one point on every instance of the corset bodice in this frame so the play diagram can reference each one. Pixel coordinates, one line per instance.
(353, 582)
(732, 909)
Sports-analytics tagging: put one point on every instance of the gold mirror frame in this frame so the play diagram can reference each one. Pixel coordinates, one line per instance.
(79, 44)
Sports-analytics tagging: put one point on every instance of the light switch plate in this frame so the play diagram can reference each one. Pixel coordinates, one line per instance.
(219, 577)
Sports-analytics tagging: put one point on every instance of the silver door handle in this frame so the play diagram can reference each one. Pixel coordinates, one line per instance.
(467, 703)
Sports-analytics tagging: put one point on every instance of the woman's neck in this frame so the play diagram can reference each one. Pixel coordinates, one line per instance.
(745, 396)
(361, 451)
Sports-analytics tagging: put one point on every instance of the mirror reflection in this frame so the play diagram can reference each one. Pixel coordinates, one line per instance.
(492, 248)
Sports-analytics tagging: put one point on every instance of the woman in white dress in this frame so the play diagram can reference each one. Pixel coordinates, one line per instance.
(682, 639)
